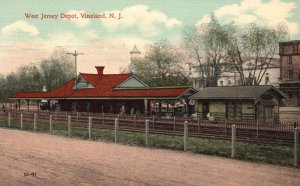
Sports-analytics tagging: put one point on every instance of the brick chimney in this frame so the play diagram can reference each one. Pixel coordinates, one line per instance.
(100, 70)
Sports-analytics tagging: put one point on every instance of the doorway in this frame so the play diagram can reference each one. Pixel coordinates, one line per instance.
(205, 109)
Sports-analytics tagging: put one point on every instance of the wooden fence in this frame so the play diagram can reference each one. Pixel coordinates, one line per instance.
(281, 133)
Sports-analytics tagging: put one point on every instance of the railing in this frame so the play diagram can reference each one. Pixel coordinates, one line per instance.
(281, 133)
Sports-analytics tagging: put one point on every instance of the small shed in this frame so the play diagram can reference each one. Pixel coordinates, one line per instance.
(239, 103)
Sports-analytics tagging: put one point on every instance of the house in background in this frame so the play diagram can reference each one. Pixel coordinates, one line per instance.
(290, 72)
(230, 76)
(290, 80)
(239, 103)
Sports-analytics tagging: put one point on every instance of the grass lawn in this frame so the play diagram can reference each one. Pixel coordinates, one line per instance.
(274, 154)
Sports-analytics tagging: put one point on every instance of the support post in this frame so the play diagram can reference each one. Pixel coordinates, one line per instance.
(21, 120)
(9, 119)
(296, 147)
(27, 105)
(153, 121)
(116, 130)
(38, 106)
(50, 123)
(185, 138)
(90, 127)
(34, 122)
(233, 142)
(19, 105)
(69, 126)
(147, 133)
(146, 107)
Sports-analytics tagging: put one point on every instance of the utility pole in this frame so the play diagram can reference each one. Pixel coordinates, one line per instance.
(75, 54)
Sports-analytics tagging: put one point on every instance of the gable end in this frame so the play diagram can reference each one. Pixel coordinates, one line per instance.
(132, 82)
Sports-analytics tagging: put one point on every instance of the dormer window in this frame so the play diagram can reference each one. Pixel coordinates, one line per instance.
(81, 83)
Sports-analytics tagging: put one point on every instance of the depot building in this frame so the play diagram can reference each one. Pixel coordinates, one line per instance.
(109, 93)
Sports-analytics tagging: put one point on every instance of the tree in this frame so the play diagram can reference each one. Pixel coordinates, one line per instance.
(29, 78)
(161, 66)
(206, 46)
(57, 69)
(11, 85)
(55, 73)
(51, 72)
(2, 87)
(251, 50)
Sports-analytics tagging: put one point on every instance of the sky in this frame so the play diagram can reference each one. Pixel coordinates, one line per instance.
(30, 30)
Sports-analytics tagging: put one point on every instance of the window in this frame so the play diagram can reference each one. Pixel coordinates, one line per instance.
(221, 83)
(290, 60)
(229, 82)
(290, 75)
(82, 83)
(197, 83)
(290, 94)
(267, 80)
(269, 112)
(234, 111)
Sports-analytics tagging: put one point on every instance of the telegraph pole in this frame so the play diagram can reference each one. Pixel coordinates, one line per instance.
(75, 54)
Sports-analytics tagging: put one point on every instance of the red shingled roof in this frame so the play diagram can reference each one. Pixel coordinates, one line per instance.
(31, 95)
(104, 88)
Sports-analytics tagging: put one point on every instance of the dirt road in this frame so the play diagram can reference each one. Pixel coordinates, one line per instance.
(63, 161)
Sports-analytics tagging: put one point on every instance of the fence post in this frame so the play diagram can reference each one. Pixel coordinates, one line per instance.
(257, 124)
(225, 127)
(9, 119)
(296, 147)
(103, 118)
(233, 140)
(51, 125)
(21, 120)
(198, 122)
(134, 121)
(69, 126)
(147, 132)
(90, 127)
(116, 130)
(174, 122)
(185, 138)
(34, 122)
